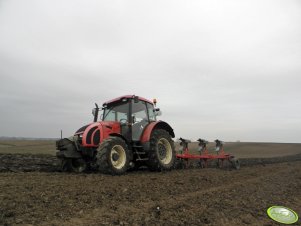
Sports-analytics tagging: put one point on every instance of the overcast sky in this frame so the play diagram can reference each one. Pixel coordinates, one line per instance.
(219, 69)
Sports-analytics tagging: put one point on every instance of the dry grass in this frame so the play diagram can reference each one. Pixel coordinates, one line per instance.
(239, 149)
(27, 147)
(253, 150)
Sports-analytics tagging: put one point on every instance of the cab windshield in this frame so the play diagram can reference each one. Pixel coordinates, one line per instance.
(120, 111)
(116, 112)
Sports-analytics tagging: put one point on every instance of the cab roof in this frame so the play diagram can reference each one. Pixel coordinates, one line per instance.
(126, 97)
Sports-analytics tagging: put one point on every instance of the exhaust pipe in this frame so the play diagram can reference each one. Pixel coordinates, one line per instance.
(95, 112)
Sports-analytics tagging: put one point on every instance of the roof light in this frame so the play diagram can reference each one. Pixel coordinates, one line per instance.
(155, 101)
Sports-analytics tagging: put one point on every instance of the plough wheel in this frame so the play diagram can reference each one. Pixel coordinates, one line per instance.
(203, 163)
(179, 164)
(220, 163)
(235, 163)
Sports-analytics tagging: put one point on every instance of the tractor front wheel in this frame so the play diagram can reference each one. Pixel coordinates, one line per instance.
(76, 165)
(161, 155)
(113, 156)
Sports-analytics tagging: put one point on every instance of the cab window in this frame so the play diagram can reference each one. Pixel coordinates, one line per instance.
(116, 112)
(151, 112)
(139, 112)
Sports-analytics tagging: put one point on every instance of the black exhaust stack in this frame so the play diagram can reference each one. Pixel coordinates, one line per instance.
(96, 112)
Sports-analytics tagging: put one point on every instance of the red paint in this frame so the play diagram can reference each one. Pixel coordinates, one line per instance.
(147, 132)
(127, 97)
(105, 128)
(84, 138)
(204, 156)
(108, 128)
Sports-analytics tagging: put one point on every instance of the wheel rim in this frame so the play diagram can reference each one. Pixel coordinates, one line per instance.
(118, 156)
(164, 151)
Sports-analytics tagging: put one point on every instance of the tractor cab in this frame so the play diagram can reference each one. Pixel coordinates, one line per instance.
(132, 113)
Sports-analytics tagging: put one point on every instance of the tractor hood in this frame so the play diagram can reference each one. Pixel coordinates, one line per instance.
(92, 134)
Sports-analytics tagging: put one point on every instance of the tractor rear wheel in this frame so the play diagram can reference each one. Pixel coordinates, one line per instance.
(161, 155)
(113, 156)
(72, 165)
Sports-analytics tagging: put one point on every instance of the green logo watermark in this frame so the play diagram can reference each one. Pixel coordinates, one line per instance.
(282, 214)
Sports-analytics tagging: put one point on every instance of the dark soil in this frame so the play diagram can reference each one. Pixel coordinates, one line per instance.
(27, 163)
(49, 163)
(32, 192)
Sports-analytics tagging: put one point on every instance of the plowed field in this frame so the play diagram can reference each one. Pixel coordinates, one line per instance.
(33, 192)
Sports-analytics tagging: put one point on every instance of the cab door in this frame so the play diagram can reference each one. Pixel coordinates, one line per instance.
(140, 118)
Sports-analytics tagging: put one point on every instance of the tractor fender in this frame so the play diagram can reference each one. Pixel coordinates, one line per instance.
(156, 125)
(119, 135)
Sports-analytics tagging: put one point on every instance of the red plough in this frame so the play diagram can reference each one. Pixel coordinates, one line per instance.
(204, 157)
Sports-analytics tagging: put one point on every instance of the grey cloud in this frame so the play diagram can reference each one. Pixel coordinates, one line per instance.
(228, 69)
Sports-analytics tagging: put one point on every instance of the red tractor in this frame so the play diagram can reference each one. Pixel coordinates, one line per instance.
(127, 136)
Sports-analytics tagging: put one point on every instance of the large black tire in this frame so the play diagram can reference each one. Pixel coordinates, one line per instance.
(162, 154)
(113, 156)
(72, 165)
